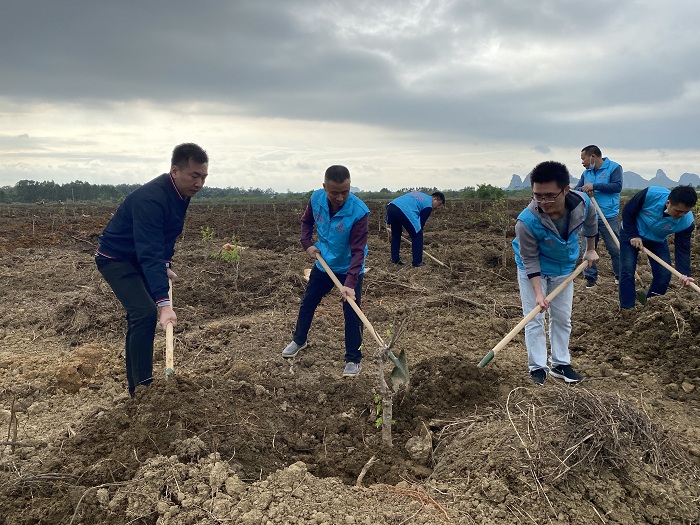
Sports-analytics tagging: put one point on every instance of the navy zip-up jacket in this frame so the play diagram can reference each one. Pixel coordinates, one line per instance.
(143, 232)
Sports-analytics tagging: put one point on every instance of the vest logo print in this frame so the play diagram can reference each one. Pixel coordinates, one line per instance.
(340, 228)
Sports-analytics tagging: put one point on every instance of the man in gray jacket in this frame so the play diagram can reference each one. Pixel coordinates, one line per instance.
(546, 250)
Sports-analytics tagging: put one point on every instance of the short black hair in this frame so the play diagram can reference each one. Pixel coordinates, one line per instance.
(592, 150)
(549, 171)
(184, 152)
(337, 173)
(685, 195)
(439, 195)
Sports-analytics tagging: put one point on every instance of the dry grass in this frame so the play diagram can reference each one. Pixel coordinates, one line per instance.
(565, 427)
(564, 436)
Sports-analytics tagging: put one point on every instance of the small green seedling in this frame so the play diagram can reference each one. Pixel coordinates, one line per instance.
(231, 252)
(207, 233)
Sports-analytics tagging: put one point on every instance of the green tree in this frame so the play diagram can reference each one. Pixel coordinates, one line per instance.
(487, 191)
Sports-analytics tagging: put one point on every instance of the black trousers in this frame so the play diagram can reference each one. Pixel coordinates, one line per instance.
(397, 220)
(319, 285)
(129, 285)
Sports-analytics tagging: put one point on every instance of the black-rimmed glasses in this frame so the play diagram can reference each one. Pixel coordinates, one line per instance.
(546, 197)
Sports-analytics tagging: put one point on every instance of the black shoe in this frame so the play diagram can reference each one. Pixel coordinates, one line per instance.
(399, 262)
(590, 283)
(419, 264)
(566, 373)
(538, 376)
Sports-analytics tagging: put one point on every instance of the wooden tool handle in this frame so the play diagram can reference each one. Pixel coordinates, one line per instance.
(537, 309)
(353, 304)
(669, 268)
(605, 221)
(424, 252)
(612, 233)
(169, 344)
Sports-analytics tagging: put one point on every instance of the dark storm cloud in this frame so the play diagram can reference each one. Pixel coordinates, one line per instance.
(500, 70)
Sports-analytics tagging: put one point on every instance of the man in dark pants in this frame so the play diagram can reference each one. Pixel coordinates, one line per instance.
(647, 220)
(341, 221)
(411, 211)
(135, 250)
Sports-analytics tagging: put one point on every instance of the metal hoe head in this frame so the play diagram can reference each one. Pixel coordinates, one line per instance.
(399, 375)
(642, 296)
(486, 359)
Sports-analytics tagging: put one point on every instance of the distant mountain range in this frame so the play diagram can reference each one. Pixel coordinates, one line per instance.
(630, 180)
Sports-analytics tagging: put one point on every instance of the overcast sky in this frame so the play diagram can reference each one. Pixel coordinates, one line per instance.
(405, 93)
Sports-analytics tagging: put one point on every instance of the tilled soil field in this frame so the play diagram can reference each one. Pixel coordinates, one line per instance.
(239, 435)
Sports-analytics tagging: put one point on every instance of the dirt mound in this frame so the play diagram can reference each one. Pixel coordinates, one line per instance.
(241, 435)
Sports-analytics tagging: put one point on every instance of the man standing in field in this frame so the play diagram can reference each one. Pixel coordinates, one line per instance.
(602, 180)
(342, 227)
(648, 219)
(135, 251)
(411, 211)
(546, 250)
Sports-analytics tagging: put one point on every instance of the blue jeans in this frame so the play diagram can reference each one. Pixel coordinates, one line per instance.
(319, 285)
(397, 220)
(559, 313)
(661, 277)
(129, 285)
(591, 274)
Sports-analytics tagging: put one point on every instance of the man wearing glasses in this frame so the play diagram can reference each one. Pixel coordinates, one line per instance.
(546, 247)
(602, 180)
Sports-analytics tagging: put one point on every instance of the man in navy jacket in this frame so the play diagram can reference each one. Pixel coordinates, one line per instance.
(135, 250)
(647, 221)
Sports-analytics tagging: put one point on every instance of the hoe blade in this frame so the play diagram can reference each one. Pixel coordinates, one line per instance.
(642, 296)
(399, 375)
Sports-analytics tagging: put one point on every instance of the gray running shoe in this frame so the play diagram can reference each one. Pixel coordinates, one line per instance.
(352, 369)
(292, 349)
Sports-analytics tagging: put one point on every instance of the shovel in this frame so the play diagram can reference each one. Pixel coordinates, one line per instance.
(529, 317)
(169, 345)
(400, 374)
(642, 292)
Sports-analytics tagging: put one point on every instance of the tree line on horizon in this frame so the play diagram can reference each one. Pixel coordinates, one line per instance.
(29, 191)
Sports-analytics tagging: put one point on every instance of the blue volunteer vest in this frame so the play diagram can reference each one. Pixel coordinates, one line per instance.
(411, 205)
(334, 233)
(652, 224)
(557, 256)
(609, 202)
